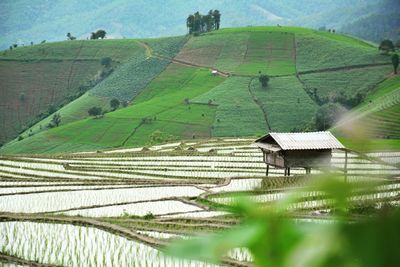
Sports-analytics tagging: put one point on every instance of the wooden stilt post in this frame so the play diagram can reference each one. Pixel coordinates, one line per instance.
(345, 166)
(267, 171)
(288, 171)
(285, 171)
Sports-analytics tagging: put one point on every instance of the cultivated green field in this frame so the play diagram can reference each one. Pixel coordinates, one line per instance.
(133, 70)
(244, 53)
(286, 104)
(376, 118)
(183, 100)
(237, 114)
(159, 108)
(346, 83)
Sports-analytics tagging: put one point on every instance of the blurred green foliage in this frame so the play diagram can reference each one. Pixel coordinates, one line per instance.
(275, 239)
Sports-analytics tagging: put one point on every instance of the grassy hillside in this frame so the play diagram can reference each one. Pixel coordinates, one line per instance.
(159, 114)
(347, 83)
(377, 117)
(183, 100)
(244, 52)
(133, 70)
(236, 113)
(37, 77)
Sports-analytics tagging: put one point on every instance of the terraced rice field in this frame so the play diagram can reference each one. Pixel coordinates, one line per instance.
(58, 209)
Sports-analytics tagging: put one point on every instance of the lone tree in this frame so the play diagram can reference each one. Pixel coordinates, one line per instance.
(99, 34)
(94, 111)
(56, 119)
(264, 79)
(70, 37)
(386, 46)
(114, 103)
(395, 62)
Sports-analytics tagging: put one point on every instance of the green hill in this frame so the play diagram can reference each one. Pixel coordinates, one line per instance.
(174, 96)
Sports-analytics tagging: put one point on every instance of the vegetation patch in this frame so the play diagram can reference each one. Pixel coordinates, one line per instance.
(243, 53)
(319, 51)
(286, 104)
(237, 114)
(348, 87)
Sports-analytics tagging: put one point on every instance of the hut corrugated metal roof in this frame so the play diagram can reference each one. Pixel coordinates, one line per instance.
(304, 141)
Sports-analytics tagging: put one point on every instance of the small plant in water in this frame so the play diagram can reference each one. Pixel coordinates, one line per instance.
(149, 216)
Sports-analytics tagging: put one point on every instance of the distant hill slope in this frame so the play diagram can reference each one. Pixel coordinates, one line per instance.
(174, 95)
(376, 27)
(376, 22)
(23, 21)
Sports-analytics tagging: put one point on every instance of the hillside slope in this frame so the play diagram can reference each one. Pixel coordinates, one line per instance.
(36, 80)
(185, 101)
(49, 76)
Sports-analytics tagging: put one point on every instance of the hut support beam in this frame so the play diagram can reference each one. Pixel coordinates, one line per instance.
(288, 171)
(285, 171)
(267, 171)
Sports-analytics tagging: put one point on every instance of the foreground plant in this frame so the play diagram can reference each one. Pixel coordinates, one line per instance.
(275, 239)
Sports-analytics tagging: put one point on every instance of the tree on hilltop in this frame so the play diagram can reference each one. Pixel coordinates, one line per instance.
(395, 62)
(198, 23)
(190, 23)
(217, 18)
(386, 46)
(70, 37)
(99, 34)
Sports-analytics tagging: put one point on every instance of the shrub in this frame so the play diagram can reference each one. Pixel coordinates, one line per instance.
(386, 46)
(95, 111)
(264, 79)
(106, 62)
(149, 216)
(114, 103)
(327, 115)
(22, 97)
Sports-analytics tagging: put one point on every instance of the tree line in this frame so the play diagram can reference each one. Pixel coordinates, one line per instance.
(198, 23)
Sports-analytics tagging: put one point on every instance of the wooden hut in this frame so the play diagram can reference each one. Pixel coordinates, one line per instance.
(300, 150)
